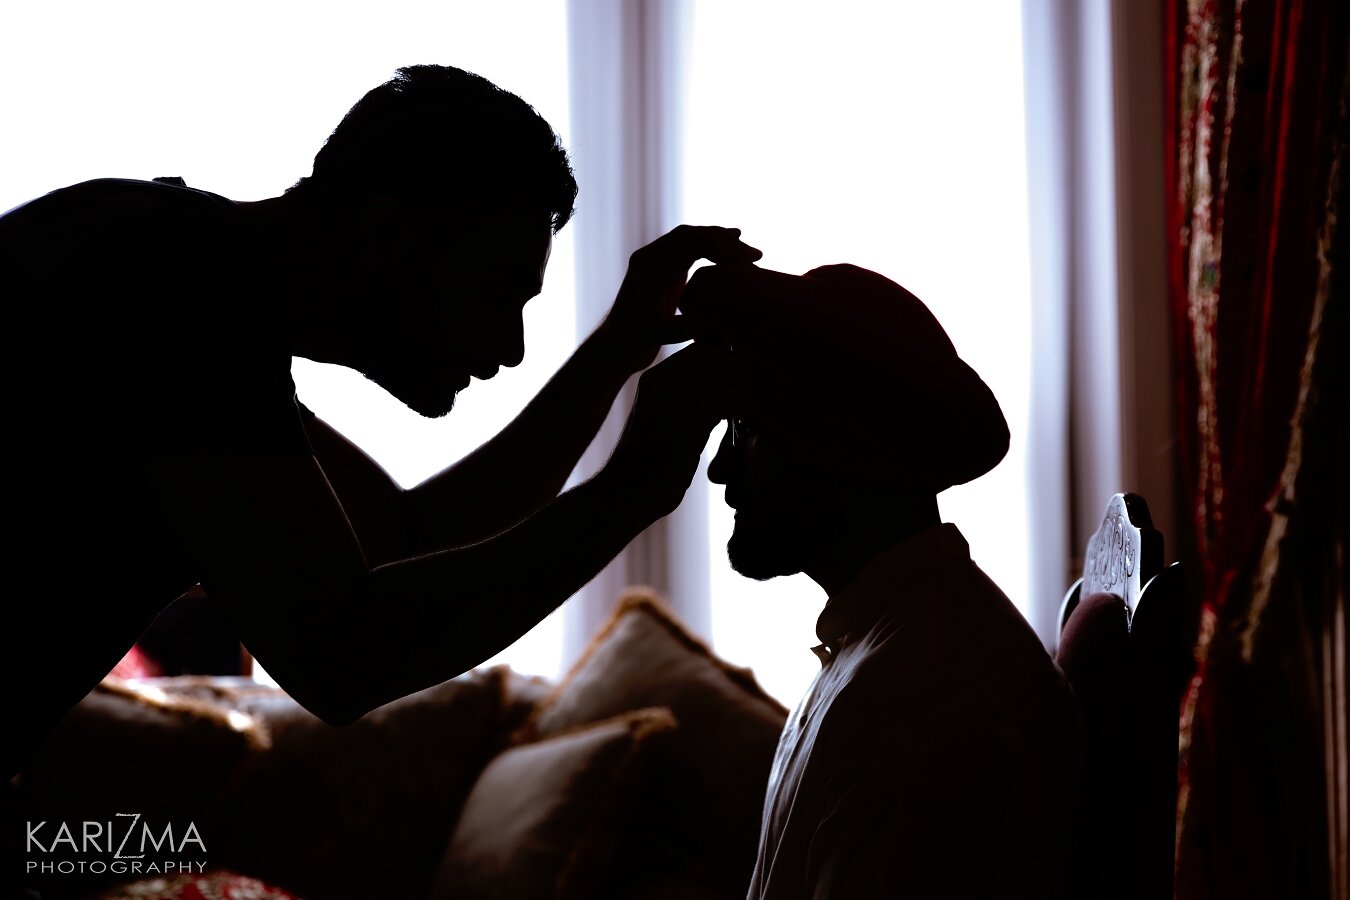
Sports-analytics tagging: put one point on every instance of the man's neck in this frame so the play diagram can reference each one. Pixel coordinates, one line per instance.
(862, 536)
(301, 270)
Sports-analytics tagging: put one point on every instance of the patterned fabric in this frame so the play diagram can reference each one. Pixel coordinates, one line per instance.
(207, 886)
(1257, 268)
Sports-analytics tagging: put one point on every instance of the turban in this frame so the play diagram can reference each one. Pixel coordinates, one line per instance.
(845, 368)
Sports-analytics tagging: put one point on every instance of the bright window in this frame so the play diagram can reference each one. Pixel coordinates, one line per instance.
(890, 136)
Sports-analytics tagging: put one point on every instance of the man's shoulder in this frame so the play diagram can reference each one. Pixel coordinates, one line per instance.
(116, 245)
(170, 193)
(108, 212)
(965, 658)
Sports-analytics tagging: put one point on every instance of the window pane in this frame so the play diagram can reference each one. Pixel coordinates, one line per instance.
(890, 136)
(237, 98)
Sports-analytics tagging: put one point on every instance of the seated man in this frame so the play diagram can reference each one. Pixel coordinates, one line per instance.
(936, 753)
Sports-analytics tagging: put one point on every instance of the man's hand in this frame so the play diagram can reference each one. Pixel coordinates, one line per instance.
(679, 402)
(642, 315)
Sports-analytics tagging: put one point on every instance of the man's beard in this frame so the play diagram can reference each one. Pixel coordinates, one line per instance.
(429, 407)
(416, 394)
(767, 546)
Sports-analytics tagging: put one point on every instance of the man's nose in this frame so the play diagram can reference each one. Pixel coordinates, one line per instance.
(723, 463)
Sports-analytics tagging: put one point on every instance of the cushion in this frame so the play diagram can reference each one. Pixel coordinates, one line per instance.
(707, 790)
(133, 747)
(1094, 648)
(142, 742)
(544, 818)
(364, 810)
(521, 694)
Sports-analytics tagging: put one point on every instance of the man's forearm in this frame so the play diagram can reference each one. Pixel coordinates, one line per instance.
(431, 618)
(309, 602)
(526, 465)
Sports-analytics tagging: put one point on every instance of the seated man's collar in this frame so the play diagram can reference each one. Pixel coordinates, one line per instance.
(882, 582)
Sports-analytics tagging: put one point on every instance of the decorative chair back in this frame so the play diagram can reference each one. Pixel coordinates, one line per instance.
(1123, 555)
(1121, 649)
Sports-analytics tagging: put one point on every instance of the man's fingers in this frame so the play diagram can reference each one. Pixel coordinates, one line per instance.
(685, 245)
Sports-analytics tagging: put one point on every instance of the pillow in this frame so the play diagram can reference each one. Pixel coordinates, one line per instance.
(364, 810)
(520, 695)
(1094, 653)
(143, 743)
(544, 818)
(707, 790)
(135, 747)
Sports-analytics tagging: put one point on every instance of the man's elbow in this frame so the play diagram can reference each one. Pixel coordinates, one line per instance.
(331, 701)
(334, 711)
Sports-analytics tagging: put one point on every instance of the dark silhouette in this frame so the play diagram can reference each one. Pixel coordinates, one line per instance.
(937, 751)
(156, 442)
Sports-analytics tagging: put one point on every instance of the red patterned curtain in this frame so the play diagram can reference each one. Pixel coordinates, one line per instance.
(1257, 174)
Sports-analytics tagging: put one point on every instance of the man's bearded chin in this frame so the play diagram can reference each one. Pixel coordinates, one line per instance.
(766, 547)
(429, 409)
(428, 403)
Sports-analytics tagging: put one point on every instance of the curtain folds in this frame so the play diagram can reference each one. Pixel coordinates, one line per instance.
(1257, 265)
(625, 66)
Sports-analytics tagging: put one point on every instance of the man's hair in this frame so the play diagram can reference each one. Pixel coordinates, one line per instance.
(437, 135)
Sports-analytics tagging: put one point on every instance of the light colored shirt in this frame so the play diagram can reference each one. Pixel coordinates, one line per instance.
(937, 751)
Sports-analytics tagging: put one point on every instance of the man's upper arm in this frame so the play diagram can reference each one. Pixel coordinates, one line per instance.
(268, 537)
(371, 499)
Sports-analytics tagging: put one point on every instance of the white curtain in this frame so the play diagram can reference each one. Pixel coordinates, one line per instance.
(626, 76)
(1102, 401)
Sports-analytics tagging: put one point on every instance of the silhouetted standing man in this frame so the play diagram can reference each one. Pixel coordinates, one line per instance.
(156, 441)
